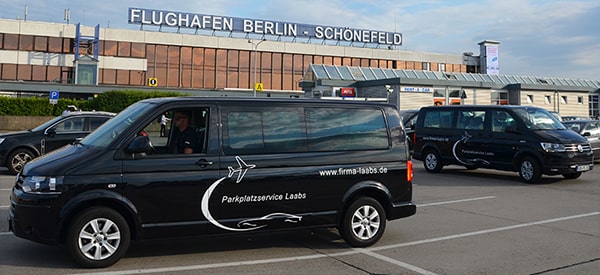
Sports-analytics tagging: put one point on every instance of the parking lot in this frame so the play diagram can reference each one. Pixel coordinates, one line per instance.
(467, 222)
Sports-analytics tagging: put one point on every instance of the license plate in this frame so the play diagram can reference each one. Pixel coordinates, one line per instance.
(583, 168)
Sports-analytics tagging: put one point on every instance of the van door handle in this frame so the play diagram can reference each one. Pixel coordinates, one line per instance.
(203, 163)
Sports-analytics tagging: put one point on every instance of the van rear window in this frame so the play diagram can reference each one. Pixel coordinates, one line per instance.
(438, 119)
(276, 130)
(333, 129)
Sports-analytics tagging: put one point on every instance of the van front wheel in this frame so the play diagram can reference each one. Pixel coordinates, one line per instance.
(98, 237)
(432, 162)
(530, 170)
(363, 223)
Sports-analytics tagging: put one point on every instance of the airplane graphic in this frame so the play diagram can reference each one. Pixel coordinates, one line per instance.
(241, 170)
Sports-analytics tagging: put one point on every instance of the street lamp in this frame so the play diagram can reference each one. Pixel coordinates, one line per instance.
(255, 48)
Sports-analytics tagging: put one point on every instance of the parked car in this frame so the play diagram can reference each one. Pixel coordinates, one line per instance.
(590, 129)
(409, 119)
(17, 148)
(569, 118)
(556, 115)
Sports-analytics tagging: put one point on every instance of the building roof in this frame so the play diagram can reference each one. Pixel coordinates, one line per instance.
(334, 73)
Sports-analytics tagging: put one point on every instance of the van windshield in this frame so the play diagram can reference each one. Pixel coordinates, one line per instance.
(539, 119)
(112, 129)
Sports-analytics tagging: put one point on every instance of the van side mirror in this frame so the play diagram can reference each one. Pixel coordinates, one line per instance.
(140, 144)
(586, 134)
(511, 129)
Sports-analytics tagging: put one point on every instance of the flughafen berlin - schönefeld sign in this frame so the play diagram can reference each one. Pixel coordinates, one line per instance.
(263, 27)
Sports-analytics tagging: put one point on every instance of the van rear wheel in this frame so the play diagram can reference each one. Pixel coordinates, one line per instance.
(432, 162)
(98, 237)
(530, 170)
(363, 223)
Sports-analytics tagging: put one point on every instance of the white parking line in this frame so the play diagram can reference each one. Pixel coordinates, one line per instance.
(455, 201)
(366, 251)
(481, 232)
(396, 262)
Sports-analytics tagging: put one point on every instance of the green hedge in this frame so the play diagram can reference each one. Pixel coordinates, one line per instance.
(112, 101)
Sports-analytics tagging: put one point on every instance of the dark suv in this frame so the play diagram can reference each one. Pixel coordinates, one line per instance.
(17, 148)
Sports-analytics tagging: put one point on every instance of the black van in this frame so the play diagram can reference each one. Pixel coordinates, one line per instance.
(529, 140)
(225, 165)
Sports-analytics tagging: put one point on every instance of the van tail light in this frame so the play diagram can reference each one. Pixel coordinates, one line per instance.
(409, 171)
(414, 138)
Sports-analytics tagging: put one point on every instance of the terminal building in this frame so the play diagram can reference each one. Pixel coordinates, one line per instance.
(217, 55)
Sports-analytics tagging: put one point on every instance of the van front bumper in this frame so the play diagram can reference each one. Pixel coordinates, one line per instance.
(567, 163)
(32, 220)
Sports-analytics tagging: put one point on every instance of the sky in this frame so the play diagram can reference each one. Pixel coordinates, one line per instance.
(542, 38)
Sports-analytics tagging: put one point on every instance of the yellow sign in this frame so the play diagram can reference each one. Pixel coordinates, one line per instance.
(152, 81)
(259, 87)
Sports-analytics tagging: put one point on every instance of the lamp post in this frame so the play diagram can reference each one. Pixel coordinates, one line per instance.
(255, 48)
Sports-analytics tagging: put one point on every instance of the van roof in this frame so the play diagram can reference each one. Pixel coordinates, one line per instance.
(482, 106)
(161, 100)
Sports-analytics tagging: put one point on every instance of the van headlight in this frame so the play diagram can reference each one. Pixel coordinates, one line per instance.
(42, 185)
(553, 147)
(1, 140)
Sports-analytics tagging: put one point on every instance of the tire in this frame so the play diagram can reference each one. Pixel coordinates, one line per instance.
(572, 176)
(530, 170)
(17, 160)
(432, 161)
(363, 223)
(98, 237)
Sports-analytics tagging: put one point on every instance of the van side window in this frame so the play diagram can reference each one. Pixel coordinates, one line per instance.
(501, 120)
(183, 131)
(331, 129)
(264, 130)
(438, 119)
(281, 130)
(473, 120)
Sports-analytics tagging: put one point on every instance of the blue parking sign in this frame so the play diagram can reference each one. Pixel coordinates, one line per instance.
(54, 97)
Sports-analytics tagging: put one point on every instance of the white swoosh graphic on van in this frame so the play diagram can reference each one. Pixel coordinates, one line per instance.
(464, 139)
(251, 223)
(208, 215)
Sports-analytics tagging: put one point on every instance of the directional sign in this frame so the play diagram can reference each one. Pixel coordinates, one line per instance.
(54, 97)
(259, 87)
(152, 81)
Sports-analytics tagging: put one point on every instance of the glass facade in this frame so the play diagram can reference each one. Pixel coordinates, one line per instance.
(176, 66)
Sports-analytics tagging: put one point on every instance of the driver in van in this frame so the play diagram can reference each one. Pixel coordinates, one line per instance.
(184, 137)
(475, 123)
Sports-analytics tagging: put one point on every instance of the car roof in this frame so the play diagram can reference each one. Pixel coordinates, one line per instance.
(98, 113)
(579, 121)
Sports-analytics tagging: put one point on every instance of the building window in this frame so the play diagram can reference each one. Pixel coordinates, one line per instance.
(580, 100)
(426, 66)
(530, 99)
(442, 67)
(548, 99)
(563, 99)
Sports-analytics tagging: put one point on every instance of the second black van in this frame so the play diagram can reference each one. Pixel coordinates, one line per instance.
(529, 140)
